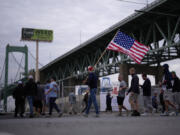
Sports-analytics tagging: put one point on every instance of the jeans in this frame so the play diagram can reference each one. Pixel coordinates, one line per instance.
(92, 98)
(30, 101)
(52, 105)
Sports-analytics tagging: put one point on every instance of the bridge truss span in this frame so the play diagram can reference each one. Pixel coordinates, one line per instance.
(157, 26)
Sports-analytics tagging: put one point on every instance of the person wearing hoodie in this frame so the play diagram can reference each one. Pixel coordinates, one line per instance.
(147, 95)
(91, 81)
(134, 92)
(176, 89)
(166, 86)
(19, 97)
(31, 92)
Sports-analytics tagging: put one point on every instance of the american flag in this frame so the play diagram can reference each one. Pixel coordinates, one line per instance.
(125, 44)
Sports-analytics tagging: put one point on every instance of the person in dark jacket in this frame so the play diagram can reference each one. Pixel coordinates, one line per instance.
(147, 95)
(134, 92)
(38, 99)
(31, 92)
(91, 81)
(176, 89)
(19, 97)
(85, 100)
(108, 102)
(167, 88)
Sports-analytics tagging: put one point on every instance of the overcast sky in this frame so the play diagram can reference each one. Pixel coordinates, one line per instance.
(67, 18)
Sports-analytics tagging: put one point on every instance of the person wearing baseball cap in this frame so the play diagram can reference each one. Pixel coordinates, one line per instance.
(167, 89)
(91, 81)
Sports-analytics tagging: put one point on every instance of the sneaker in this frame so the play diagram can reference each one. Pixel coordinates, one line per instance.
(97, 115)
(42, 114)
(154, 111)
(60, 114)
(135, 113)
(85, 115)
(48, 116)
(177, 113)
(127, 113)
(31, 116)
(165, 114)
(172, 114)
(120, 114)
(144, 114)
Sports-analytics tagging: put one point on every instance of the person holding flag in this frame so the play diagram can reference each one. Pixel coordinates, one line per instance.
(91, 81)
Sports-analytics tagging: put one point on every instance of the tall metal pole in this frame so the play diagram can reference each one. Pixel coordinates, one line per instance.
(26, 61)
(6, 78)
(37, 61)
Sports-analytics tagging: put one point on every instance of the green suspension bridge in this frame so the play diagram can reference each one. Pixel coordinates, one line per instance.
(14, 70)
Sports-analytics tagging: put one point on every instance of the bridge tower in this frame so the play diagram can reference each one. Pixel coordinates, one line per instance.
(8, 50)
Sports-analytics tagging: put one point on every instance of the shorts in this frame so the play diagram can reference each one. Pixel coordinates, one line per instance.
(133, 97)
(167, 96)
(176, 98)
(120, 100)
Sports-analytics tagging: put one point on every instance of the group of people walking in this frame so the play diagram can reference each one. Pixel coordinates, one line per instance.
(169, 94)
(39, 97)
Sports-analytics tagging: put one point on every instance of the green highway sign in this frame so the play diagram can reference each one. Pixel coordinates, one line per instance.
(37, 35)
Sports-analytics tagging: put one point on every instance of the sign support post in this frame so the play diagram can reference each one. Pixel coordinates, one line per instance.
(37, 35)
(37, 61)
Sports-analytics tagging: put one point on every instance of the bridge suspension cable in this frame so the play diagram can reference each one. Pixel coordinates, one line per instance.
(17, 61)
(2, 71)
(18, 68)
(35, 58)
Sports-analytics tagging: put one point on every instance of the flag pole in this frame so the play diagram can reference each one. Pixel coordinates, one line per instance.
(100, 57)
(104, 51)
(102, 54)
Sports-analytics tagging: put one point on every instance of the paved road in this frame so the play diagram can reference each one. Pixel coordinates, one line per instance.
(106, 124)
